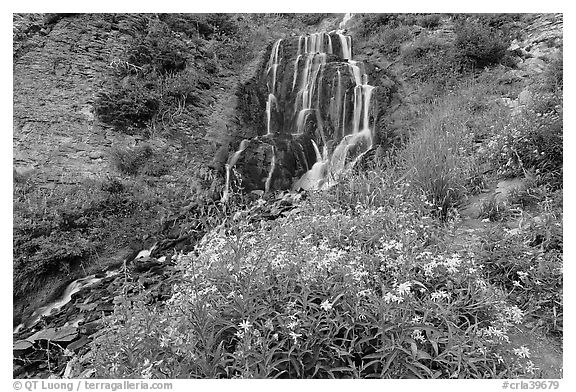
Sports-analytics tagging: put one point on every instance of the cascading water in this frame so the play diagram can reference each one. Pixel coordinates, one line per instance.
(231, 162)
(318, 98)
(66, 297)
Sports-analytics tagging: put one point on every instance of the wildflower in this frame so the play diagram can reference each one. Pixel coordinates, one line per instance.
(522, 352)
(517, 284)
(295, 336)
(491, 331)
(530, 367)
(416, 319)
(268, 325)
(514, 313)
(486, 220)
(365, 293)
(326, 305)
(439, 295)
(389, 297)
(403, 288)
(245, 325)
(275, 336)
(239, 334)
(292, 324)
(164, 341)
(417, 335)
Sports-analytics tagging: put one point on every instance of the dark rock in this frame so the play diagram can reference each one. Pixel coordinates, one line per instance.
(78, 344)
(22, 347)
(91, 327)
(58, 335)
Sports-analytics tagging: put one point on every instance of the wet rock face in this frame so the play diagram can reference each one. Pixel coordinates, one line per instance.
(274, 162)
(307, 97)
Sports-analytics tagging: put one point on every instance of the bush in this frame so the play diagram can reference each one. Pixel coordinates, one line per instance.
(152, 84)
(390, 40)
(528, 265)
(481, 44)
(128, 105)
(55, 231)
(532, 144)
(344, 295)
(372, 23)
(433, 59)
(159, 51)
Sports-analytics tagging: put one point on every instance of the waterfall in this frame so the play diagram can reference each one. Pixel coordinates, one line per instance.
(272, 167)
(271, 101)
(318, 99)
(66, 297)
(345, 20)
(231, 162)
(357, 138)
(273, 63)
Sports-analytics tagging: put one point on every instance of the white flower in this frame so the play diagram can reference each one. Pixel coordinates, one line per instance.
(389, 297)
(245, 325)
(403, 288)
(295, 336)
(293, 324)
(491, 331)
(365, 293)
(515, 314)
(268, 325)
(326, 305)
(417, 335)
(522, 352)
(436, 295)
(530, 367)
(416, 319)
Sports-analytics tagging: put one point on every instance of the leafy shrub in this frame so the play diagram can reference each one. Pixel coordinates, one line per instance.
(528, 265)
(55, 231)
(129, 104)
(433, 59)
(343, 296)
(390, 40)
(479, 43)
(159, 51)
(153, 84)
(532, 143)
